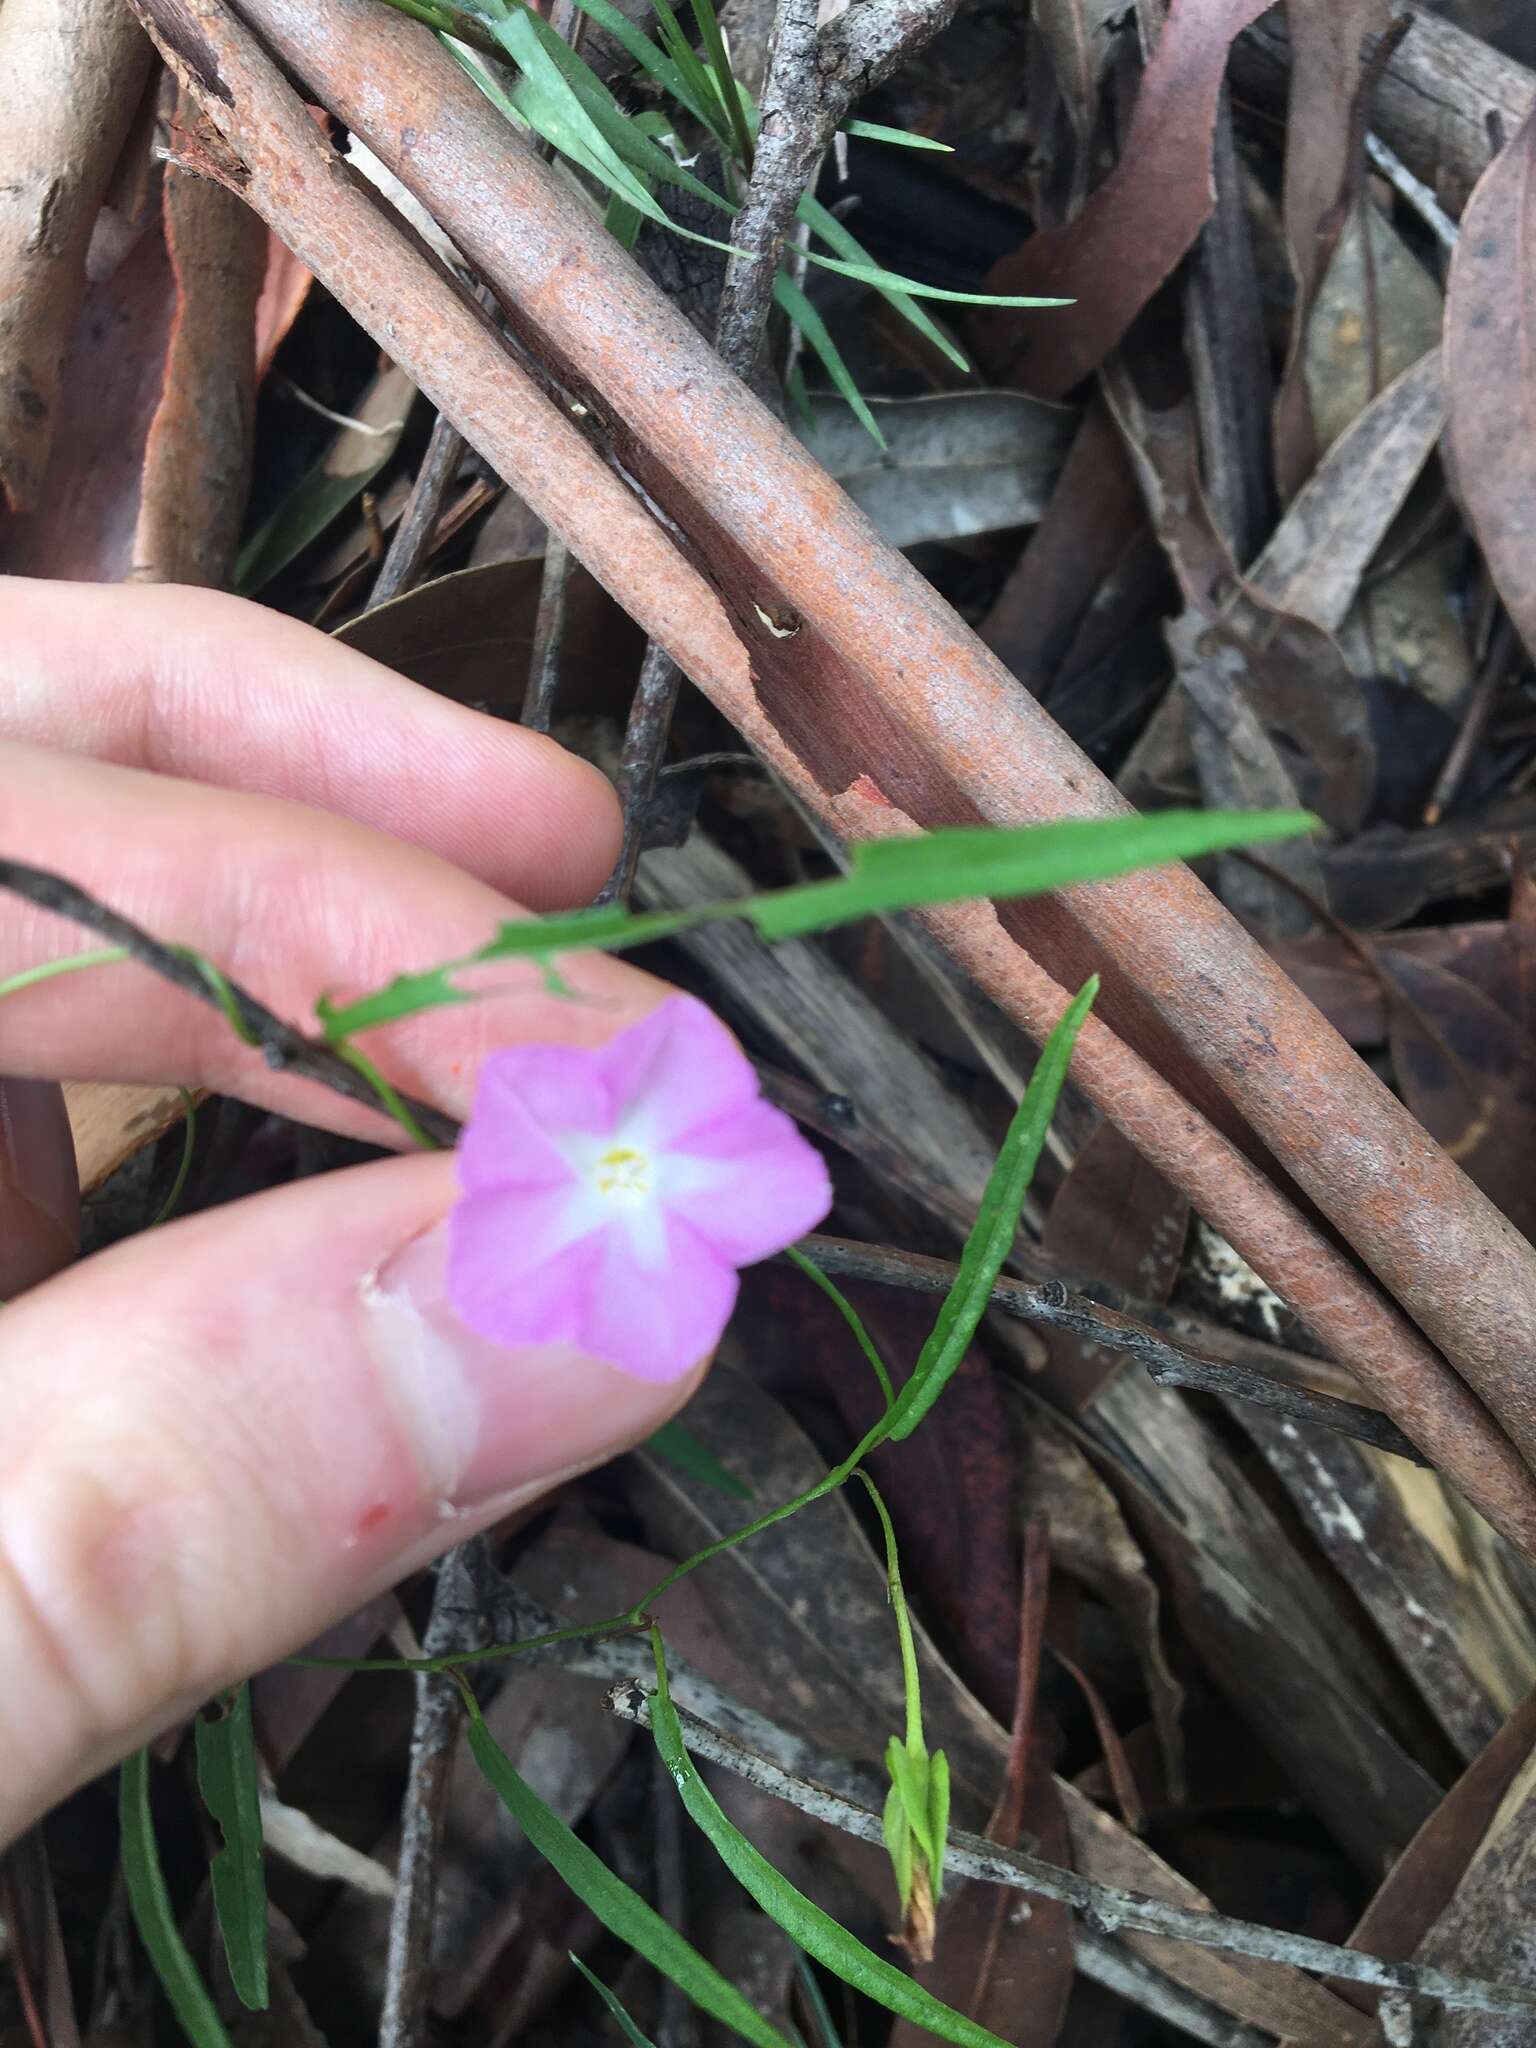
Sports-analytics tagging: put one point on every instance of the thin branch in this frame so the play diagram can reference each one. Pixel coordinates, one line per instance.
(1132, 1977)
(1052, 1303)
(458, 1625)
(866, 44)
(548, 634)
(793, 133)
(285, 1049)
(418, 522)
(1107, 1908)
(645, 739)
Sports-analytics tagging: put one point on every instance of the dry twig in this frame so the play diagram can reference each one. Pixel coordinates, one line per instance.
(1105, 1907)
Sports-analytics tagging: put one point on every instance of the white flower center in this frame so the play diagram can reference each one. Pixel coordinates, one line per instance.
(624, 1175)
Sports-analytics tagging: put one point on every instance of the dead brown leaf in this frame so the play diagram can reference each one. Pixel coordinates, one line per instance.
(1491, 373)
(1139, 222)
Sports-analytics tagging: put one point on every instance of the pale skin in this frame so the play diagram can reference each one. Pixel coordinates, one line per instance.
(223, 1435)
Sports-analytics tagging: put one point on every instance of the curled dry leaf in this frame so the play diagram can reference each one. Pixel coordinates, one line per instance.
(1323, 162)
(1140, 221)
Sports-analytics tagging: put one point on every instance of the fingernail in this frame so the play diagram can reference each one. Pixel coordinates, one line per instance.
(485, 1421)
(39, 1186)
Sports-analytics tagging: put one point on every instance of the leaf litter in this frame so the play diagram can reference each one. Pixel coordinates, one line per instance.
(1316, 613)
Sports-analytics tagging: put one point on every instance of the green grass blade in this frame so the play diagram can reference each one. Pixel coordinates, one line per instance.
(997, 1221)
(815, 1998)
(680, 1447)
(886, 875)
(226, 1777)
(1027, 860)
(703, 99)
(178, 1185)
(150, 1904)
(651, 58)
(620, 1909)
(821, 221)
(912, 288)
(626, 2025)
(803, 1921)
(723, 78)
(792, 300)
(875, 131)
(98, 956)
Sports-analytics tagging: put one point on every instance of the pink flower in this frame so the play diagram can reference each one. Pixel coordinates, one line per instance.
(610, 1196)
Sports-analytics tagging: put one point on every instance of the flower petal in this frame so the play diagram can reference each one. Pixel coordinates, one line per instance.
(525, 1097)
(675, 1071)
(542, 1304)
(749, 1184)
(658, 1323)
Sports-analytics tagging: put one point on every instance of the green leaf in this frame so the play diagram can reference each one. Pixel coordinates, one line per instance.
(997, 1221)
(226, 1777)
(792, 300)
(873, 131)
(887, 280)
(909, 1775)
(701, 97)
(823, 222)
(803, 1921)
(897, 1830)
(724, 80)
(641, 47)
(938, 1816)
(680, 1447)
(98, 956)
(150, 1904)
(620, 1909)
(887, 875)
(1028, 860)
(627, 2027)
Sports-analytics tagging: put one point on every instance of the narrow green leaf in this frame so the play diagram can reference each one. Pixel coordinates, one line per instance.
(803, 1921)
(874, 131)
(167, 1208)
(627, 2027)
(897, 1831)
(996, 1226)
(724, 79)
(839, 238)
(620, 1909)
(680, 1447)
(815, 1998)
(653, 60)
(909, 1775)
(150, 1904)
(703, 99)
(226, 1777)
(887, 875)
(98, 956)
(909, 287)
(792, 300)
(938, 1816)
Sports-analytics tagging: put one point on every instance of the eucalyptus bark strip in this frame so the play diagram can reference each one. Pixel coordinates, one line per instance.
(865, 691)
(72, 74)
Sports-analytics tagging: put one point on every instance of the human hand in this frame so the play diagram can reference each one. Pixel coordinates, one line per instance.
(220, 1436)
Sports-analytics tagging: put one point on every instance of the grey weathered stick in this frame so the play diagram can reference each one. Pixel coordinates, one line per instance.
(1051, 1303)
(284, 1048)
(418, 522)
(548, 632)
(458, 1624)
(645, 739)
(1106, 1907)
